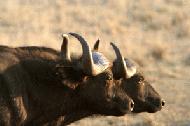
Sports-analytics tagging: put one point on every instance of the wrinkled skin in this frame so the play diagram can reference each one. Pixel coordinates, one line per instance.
(145, 97)
(33, 91)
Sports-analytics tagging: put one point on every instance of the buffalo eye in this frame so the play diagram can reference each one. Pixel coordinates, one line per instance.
(138, 78)
(141, 83)
(141, 78)
(113, 96)
(109, 77)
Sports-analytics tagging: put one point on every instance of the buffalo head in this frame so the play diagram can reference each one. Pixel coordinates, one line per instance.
(145, 97)
(95, 85)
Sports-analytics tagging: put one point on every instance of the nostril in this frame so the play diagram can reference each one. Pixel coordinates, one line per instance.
(163, 103)
(132, 105)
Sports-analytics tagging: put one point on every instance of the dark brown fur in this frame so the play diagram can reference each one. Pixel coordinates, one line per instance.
(34, 91)
(145, 97)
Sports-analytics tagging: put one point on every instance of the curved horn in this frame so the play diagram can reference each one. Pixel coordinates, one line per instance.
(122, 67)
(96, 45)
(87, 61)
(65, 53)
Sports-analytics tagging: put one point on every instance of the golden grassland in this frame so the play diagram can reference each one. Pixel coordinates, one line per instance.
(155, 34)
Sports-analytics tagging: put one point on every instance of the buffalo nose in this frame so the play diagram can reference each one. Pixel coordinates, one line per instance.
(163, 103)
(156, 102)
(132, 105)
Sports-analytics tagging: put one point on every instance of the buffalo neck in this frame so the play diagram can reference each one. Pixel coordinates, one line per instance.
(47, 94)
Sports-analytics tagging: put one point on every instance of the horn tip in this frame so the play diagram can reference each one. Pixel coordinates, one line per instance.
(96, 45)
(111, 43)
(98, 41)
(64, 35)
(72, 33)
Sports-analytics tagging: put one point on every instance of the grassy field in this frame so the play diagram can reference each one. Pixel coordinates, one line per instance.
(155, 34)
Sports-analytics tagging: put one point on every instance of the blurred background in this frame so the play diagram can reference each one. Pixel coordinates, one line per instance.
(155, 34)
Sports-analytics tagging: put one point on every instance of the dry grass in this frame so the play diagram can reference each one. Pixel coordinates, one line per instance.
(156, 34)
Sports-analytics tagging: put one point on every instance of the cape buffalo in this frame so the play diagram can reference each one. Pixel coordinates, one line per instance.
(145, 97)
(39, 84)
